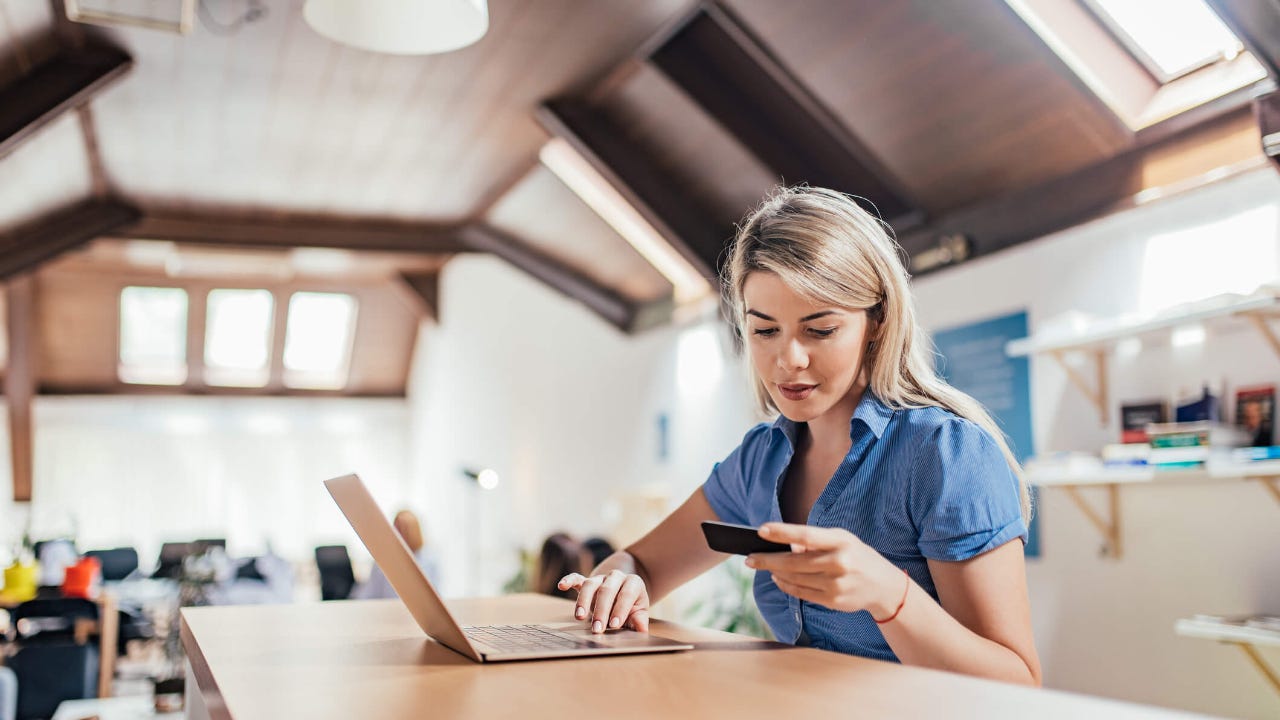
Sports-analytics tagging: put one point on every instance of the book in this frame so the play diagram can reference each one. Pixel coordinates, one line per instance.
(1256, 454)
(1136, 416)
(1126, 454)
(1203, 408)
(1195, 434)
(1255, 413)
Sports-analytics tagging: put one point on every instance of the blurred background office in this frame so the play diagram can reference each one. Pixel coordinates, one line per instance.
(243, 252)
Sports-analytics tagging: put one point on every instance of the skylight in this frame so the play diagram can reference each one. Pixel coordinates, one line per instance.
(237, 345)
(153, 336)
(1172, 37)
(317, 344)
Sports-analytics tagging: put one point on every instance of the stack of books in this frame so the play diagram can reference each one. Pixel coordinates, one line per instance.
(1191, 444)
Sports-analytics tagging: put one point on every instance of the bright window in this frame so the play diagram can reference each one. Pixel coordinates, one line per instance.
(153, 335)
(1170, 37)
(237, 341)
(317, 343)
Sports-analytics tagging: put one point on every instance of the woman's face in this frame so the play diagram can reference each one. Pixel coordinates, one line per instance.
(808, 356)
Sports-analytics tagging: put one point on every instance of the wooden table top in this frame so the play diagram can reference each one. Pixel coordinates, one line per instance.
(369, 659)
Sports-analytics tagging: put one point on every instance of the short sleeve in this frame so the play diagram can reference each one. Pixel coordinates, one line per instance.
(964, 496)
(726, 488)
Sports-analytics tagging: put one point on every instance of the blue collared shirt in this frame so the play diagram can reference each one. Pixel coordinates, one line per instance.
(917, 484)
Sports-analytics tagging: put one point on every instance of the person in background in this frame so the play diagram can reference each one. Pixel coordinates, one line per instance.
(905, 511)
(561, 555)
(377, 586)
(599, 548)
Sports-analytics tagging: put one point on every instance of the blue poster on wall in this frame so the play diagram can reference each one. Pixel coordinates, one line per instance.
(972, 359)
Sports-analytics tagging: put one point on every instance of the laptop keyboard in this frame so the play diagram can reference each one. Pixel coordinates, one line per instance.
(526, 638)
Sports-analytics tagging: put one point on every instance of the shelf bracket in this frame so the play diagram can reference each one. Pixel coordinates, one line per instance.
(1260, 322)
(1108, 526)
(1097, 396)
(1272, 484)
(1259, 663)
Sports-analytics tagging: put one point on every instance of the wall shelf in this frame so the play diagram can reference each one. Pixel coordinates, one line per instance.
(1073, 481)
(1101, 337)
(1243, 636)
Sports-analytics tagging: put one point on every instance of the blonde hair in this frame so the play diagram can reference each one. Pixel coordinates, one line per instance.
(826, 248)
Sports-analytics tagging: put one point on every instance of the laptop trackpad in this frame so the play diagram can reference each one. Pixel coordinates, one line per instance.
(610, 638)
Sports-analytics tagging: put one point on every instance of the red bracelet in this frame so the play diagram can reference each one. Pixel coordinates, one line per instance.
(905, 590)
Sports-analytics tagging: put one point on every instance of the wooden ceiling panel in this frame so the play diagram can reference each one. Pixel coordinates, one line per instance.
(49, 171)
(276, 116)
(700, 156)
(574, 235)
(961, 100)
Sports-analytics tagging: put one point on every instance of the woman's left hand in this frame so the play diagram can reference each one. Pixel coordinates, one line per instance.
(831, 567)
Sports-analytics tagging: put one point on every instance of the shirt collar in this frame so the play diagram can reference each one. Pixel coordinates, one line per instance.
(871, 411)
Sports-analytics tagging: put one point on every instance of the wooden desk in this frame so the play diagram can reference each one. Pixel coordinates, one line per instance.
(369, 660)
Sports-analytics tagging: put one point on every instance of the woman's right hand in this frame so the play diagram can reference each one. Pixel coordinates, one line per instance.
(610, 601)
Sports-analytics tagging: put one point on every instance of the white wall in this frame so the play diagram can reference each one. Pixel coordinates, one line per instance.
(522, 380)
(1104, 626)
(141, 470)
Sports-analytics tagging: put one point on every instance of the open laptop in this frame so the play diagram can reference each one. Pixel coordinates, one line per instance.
(489, 643)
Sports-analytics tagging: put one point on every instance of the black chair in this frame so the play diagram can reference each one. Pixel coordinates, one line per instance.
(117, 563)
(51, 666)
(203, 545)
(336, 576)
(169, 564)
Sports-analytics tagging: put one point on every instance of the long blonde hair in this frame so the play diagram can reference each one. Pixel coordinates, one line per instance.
(831, 251)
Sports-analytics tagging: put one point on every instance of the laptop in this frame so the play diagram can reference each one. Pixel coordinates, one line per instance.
(487, 643)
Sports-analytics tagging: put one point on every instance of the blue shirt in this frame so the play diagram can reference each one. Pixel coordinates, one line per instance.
(917, 484)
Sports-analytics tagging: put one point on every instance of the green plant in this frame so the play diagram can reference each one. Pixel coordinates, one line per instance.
(733, 609)
(522, 581)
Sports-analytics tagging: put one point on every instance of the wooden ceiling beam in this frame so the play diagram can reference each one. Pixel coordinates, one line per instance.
(68, 80)
(1092, 192)
(734, 78)
(1257, 24)
(20, 381)
(691, 230)
(277, 231)
(424, 290)
(615, 309)
(41, 240)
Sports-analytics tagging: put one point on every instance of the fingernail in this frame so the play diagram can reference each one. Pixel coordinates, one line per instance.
(616, 622)
(765, 530)
(751, 562)
(579, 614)
(597, 626)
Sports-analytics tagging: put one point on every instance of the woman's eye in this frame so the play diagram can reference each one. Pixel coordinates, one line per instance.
(823, 332)
(765, 332)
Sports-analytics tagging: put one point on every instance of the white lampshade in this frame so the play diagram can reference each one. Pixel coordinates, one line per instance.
(402, 27)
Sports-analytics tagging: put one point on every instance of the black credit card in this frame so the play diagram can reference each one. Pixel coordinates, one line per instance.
(738, 539)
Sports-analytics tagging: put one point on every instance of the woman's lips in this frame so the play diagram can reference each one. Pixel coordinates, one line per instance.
(795, 391)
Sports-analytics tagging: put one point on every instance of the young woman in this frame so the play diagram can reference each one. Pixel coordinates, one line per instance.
(905, 511)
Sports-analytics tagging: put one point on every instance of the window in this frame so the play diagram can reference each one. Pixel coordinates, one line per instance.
(1172, 37)
(318, 337)
(1147, 61)
(237, 341)
(153, 336)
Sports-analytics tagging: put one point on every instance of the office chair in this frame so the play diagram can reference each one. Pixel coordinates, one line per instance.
(169, 564)
(336, 576)
(117, 563)
(50, 665)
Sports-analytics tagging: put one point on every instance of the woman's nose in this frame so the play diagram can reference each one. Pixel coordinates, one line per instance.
(793, 356)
